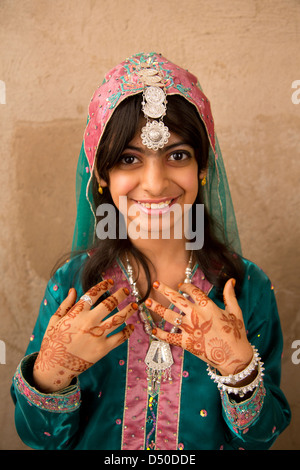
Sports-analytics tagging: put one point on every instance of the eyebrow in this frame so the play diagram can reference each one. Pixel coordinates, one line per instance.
(165, 148)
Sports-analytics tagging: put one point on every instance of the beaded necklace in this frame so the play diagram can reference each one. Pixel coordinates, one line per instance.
(159, 357)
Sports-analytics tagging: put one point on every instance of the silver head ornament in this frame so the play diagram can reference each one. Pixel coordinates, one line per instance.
(155, 134)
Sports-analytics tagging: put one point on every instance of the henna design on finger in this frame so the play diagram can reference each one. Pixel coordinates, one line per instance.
(58, 312)
(200, 297)
(110, 303)
(99, 287)
(126, 332)
(160, 310)
(78, 307)
(175, 297)
(98, 330)
(175, 339)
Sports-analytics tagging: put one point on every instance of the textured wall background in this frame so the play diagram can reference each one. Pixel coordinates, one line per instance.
(53, 55)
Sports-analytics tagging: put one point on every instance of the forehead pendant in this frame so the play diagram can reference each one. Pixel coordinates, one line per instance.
(154, 134)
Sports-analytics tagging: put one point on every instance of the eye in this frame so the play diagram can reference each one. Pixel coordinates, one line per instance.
(128, 160)
(179, 156)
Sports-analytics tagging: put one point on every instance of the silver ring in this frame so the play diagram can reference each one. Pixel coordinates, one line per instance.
(87, 298)
(178, 321)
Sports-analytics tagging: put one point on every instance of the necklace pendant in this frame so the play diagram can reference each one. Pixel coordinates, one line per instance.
(159, 360)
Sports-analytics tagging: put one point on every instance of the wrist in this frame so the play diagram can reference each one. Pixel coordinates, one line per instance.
(242, 382)
(244, 360)
(45, 383)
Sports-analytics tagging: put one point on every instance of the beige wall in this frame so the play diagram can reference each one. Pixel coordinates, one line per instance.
(53, 55)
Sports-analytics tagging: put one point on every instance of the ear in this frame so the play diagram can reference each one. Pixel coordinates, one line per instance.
(202, 174)
(100, 180)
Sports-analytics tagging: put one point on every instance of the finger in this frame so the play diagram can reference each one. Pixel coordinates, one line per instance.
(173, 296)
(120, 337)
(171, 338)
(110, 303)
(116, 320)
(198, 296)
(230, 300)
(65, 306)
(169, 315)
(95, 292)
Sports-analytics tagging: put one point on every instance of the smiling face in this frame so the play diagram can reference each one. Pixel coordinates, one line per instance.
(157, 185)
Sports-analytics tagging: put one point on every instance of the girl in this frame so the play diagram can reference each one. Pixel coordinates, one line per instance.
(148, 338)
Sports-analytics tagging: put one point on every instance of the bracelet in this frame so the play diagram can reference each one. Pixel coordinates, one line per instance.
(247, 388)
(221, 380)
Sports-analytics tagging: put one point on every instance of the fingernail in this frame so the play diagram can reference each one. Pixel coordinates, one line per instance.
(111, 281)
(156, 284)
(180, 284)
(135, 306)
(131, 327)
(148, 302)
(233, 282)
(126, 291)
(70, 291)
(154, 331)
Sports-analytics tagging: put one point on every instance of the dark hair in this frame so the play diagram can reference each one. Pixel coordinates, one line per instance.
(216, 260)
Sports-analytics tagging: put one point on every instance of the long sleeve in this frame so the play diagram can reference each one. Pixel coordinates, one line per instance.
(45, 421)
(257, 422)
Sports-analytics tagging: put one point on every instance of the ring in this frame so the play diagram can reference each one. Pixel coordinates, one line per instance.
(87, 298)
(178, 321)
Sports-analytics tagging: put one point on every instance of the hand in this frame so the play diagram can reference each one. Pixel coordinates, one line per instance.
(216, 336)
(76, 336)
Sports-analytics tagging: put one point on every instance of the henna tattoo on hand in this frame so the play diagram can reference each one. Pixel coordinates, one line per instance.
(233, 324)
(195, 342)
(53, 351)
(220, 351)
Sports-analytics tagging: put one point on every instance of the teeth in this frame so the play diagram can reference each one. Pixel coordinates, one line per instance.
(154, 205)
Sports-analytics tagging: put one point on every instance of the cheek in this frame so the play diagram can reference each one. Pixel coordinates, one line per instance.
(120, 185)
(190, 182)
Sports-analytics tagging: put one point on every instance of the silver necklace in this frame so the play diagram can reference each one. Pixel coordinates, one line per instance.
(159, 359)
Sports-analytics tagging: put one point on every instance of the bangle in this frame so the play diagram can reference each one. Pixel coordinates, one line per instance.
(246, 388)
(221, 380)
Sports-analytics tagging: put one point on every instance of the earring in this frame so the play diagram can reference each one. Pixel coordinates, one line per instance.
(203, 181)
(100, 190)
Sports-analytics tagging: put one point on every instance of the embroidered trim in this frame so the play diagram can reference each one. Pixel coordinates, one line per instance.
(64, 402)
(242, 415)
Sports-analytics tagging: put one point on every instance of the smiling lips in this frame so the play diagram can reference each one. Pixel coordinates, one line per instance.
(157, 205)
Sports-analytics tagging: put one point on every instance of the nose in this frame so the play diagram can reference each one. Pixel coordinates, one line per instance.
(154, 177)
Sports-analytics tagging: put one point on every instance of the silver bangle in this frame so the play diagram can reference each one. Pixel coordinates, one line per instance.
(221, 380)
(232, 379)
(247, 388)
